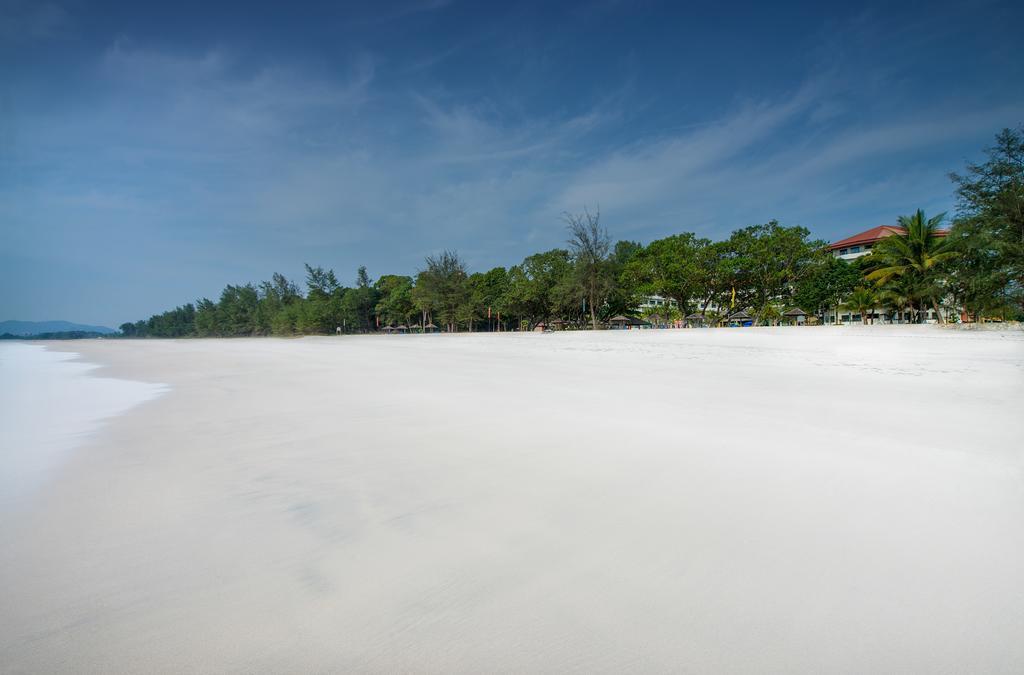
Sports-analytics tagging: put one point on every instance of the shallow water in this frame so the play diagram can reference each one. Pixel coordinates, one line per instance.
(49, 403)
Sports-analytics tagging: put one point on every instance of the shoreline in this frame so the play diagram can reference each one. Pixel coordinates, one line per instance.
(54, 403)
(745, 500)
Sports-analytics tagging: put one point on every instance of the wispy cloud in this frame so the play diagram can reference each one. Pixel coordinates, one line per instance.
(233, 163)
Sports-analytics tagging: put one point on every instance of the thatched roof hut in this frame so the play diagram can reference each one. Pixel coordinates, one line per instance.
(695, 319)
(740, 318)
(795, 316)
(622, 321)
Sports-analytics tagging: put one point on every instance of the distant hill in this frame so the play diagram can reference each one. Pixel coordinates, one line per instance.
(39, 327)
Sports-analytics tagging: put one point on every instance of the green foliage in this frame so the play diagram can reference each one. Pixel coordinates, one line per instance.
(769, 261)
(544, 285)
(178, 322)
(395, 304)
(761, 268)
(670, 267)
(826, 285)
(487, 296)
(915, 259)
(441, 289)
(862, 300)
(988, 277)
(625, 294)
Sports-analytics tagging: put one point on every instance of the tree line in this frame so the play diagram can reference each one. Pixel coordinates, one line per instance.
(762, 269)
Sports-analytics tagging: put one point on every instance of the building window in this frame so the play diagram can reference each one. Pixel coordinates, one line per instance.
(855, 249)
(843, 251)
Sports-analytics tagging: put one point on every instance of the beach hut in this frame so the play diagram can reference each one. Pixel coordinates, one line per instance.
(540, 327)
(695, 319)
(558, 324)
(795, 316)
(430, 328)
(388, 329)
(740, 318)
(401, 328)
(621, 322)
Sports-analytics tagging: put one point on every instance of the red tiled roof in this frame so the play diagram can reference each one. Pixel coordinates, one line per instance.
(873, 235)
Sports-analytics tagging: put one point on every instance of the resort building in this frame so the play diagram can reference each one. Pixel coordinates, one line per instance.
(651, 302)
(860, 245)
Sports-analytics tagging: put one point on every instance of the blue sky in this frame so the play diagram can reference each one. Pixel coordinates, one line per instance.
(151, 153)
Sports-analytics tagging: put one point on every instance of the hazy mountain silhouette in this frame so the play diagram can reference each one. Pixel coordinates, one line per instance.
(37, 327)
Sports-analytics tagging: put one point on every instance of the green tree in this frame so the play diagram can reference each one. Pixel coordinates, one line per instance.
(487, 295)
(207, 322)
(590, 245)
(625, 293)
(770, 260)
(322, 310)
(359, 304)
(669, 267)
(989, 229)
(441, 289)
(394, 304)
(544, 286)
(897, 297)
(275, 298)
(826, 285)
(717, 274)
(236, 310)
(863, 300)
(915, 257)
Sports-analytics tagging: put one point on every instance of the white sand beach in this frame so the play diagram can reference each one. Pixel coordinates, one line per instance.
(47, 407)
(799, 500)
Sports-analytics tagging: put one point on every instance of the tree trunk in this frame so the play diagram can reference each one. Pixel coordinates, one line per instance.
(938, 314)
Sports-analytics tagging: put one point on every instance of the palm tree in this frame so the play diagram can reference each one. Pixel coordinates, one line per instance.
(895, 298)
(770, 315)
(914, 257)
(863, 301)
